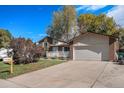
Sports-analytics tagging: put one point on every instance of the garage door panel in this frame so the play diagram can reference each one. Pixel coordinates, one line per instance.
(98, 52)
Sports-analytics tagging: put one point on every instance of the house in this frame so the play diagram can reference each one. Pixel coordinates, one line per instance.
(54, 48)
(86, 46)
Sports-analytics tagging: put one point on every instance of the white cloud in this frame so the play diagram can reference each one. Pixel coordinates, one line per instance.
(42, 35)
(90, 7)
(96, 7)
(117, 13)
(82, 7)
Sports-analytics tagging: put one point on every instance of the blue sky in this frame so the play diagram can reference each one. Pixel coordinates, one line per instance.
(32, 21)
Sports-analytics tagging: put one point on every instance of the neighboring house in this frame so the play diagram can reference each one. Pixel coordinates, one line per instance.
(86, 46)
(54, 48)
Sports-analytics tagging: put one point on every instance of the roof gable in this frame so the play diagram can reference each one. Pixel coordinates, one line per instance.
(92, 33)
(89, 39)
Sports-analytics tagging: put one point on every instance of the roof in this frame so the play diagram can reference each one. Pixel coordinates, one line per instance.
(51, 38)
(76, 37)
(112, 36)
(61, 45)
(93, 33)
(44, 38)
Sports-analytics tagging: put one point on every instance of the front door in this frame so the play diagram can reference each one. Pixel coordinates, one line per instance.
(55, 51)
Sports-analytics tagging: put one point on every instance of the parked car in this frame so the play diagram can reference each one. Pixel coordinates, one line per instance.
(120, 57)
(5, 53)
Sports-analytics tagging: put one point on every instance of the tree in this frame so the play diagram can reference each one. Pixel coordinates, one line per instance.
(25, 51)
(85, 22)
(100, 24)
(55, 29)
(5, 38)
(64, 25)
(121, 37)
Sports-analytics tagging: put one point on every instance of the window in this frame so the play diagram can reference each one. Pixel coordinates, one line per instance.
(66, 48)
(59, 48)
(55, 48)
(55, 41)
(45, 45)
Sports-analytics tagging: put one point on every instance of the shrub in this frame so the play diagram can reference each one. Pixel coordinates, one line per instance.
(25, 51)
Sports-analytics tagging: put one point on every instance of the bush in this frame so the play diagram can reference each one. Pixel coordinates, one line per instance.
(25, 51)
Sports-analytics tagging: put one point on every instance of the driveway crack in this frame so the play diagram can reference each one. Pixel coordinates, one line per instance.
(99, 76)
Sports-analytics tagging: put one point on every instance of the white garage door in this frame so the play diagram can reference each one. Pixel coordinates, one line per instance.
(99, 52)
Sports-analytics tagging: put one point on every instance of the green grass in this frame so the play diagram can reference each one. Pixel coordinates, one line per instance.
(21, 69)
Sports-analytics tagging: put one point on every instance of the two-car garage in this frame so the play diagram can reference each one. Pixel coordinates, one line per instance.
(91, 46)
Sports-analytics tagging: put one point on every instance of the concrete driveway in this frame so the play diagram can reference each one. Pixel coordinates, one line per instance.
(78, 74)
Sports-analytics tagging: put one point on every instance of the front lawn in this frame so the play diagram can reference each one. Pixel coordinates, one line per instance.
(21, 69)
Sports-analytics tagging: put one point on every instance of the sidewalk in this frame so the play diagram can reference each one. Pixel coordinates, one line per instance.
(8, 84)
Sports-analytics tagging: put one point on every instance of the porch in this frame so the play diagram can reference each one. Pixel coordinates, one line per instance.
(58, 52)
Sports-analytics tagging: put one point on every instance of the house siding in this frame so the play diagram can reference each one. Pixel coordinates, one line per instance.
(89, 39)
(71, 52)
(113, 47)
